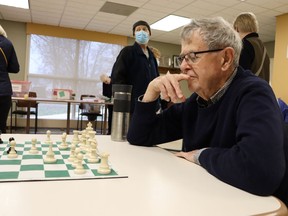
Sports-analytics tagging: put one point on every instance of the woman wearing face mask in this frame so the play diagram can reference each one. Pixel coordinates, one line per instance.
(136, 64)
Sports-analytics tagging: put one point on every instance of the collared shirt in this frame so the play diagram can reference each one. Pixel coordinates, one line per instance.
(216, 97)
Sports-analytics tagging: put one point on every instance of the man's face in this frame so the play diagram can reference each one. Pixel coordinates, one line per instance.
(204, 69)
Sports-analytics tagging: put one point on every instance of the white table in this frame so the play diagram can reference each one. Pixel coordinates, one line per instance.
(158, 184)
(68, 102)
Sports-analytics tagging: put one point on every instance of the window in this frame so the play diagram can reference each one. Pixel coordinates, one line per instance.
(69, 64)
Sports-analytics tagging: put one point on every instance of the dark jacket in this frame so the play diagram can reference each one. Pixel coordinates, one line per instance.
(243, 133)
(252, 55)
(133, 68)
(8, 64)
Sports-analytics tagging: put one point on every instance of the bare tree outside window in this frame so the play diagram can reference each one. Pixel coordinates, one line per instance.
(69, 64)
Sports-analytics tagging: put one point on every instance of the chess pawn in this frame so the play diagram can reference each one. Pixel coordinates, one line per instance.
(79, 166)
(82, 138)
(74, 163)
(33, 149)
(50, 156)
(75, 137)
(104, 167)
(12, 153)
(63, 144)
(48, 140)
(72, 153)
(93, 157)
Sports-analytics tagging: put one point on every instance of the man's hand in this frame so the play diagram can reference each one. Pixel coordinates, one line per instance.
(168, 86)
(191, 156)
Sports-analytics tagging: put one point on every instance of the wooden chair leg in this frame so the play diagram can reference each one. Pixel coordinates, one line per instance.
(15, 125)
(11, 120)
(36, 121)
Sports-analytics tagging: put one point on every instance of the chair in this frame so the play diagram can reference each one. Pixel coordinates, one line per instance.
(91, 111)
(21, 109)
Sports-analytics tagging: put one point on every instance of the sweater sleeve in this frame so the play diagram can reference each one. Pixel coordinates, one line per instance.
(256, 162)
(119, 73)
(13, 64)
(148, 128)
(247, 55)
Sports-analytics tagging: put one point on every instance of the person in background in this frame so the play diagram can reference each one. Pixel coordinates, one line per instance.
(231, 125)
(136, 64)
(8, 64)
(254, 54)
(107, 91)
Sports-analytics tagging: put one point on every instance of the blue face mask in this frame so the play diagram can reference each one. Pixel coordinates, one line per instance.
(142, 37)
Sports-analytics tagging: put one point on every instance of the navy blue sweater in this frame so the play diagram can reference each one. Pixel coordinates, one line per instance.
(243, 131)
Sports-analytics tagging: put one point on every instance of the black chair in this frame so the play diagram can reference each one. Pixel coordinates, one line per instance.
(91, 111)
(21, 109)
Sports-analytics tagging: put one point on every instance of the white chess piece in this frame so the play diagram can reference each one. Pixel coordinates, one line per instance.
(75, 137)
(48, 139)
(74, 163)
(104, 166)
(79, 166)
(12, 153)
(72, 153)
(93, 157)
(50, 156)
(92, 134)
(89, 127)
(33, 149)
(63, 144)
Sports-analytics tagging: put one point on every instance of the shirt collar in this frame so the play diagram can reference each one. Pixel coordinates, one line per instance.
(217, 96)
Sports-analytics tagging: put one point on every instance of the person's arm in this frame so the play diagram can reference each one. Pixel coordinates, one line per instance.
(247, 55)
(256, 163)
(13, 64)
(119, 73)
(147, 128)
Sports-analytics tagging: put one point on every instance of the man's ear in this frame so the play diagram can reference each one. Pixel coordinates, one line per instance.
(228, 58)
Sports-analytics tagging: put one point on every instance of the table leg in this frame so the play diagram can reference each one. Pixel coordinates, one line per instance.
(105, 119)
(28, 118)
(68, 117)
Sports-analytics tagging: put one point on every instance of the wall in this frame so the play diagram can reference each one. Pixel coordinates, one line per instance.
(280, 68)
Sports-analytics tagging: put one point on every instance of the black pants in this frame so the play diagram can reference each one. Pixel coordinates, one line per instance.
(110, 113)
(5, 104)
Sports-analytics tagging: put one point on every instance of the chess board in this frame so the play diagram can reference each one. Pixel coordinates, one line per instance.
(31, 167)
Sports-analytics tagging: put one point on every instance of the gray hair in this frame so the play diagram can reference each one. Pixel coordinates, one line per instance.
(2, 32)
(216, 32)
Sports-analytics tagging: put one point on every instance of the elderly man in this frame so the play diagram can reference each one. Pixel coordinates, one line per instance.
(231, 125)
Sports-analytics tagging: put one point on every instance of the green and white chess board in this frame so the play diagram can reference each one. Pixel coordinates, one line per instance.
(31, 167)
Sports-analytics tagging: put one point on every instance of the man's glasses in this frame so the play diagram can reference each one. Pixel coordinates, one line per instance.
(192, 57)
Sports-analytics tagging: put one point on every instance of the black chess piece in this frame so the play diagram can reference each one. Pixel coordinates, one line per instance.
(1, 141)
(10, 139)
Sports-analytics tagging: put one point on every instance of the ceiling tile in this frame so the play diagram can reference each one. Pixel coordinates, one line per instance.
(85, 14)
